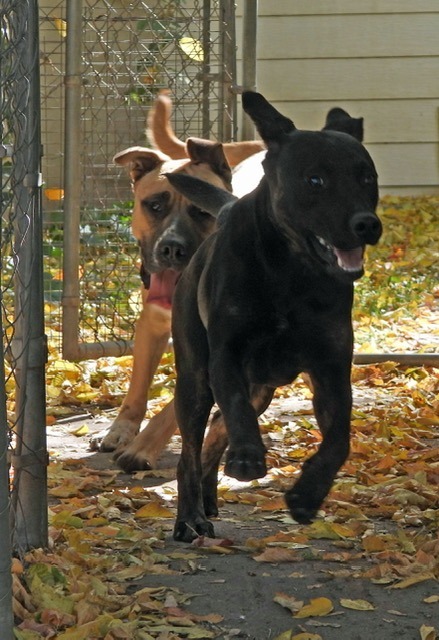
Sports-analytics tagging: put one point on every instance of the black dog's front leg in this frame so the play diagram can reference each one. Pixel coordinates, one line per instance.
(245, 458)
(193, 403)
(216, 442)
(332, 406)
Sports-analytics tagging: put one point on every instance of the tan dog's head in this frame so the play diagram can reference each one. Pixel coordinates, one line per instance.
(168, 228)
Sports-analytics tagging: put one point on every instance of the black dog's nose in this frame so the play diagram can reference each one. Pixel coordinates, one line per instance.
(367, 227)
(173, 251)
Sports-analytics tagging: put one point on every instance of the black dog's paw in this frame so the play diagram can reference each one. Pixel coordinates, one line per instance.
(186, 532)
(300, 509)
(210, 506)
(247, 463)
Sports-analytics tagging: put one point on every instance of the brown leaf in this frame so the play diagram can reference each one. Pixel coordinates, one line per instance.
(277, 554)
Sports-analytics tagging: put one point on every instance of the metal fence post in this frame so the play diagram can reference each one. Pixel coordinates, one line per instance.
(249, 34)
(228, 128)
(29, 350)
(6, 618)
(72, 180)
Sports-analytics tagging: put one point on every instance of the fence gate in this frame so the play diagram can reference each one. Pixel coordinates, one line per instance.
(105, 62)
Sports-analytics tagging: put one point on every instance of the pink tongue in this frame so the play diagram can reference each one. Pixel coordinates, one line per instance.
(350, 260)
(162, 287)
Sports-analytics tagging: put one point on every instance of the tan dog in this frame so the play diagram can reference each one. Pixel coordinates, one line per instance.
(169, 230)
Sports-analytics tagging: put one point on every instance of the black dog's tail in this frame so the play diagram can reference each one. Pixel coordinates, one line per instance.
(203, 194)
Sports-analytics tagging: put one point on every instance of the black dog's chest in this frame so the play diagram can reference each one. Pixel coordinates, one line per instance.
(282, 342)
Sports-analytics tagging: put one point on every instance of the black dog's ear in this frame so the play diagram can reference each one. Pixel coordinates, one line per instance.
(270, 124)
(339, 120)
(202, 194)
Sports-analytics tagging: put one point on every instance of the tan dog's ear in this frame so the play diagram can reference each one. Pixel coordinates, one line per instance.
(211, 153)
(141, 160)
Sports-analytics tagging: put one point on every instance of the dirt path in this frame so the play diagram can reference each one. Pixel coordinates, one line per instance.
(239, 583)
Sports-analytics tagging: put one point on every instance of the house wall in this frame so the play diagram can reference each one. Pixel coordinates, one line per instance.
(375, 58)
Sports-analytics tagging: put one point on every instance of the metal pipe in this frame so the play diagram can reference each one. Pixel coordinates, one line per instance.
(410, 359)
(29, 348)
(227, 120)
(249, 35)
(72, 181)
(206, 131)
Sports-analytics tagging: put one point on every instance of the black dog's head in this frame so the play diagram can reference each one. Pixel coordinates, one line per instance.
(323, 188)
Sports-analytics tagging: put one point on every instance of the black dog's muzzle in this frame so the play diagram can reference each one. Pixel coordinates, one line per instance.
(366, 227)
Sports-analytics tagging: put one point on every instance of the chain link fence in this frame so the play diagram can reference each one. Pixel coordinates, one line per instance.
(102, 64)
(23, 492)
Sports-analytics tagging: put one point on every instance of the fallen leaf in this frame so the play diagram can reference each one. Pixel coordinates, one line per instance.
(431, 599)
(358, 605)
(83, 430)
(427, 633)
(277, 554)
(316, 607)
(154, 510)
(204, 541)
(288, 602)
(408, 582)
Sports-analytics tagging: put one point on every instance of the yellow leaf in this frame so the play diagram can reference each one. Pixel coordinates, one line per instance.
(408, 582)
(329, 530)
(289, 602)
(316, 607)
(154, 510)
(96, 628)
(288, 635)
(358, 605)
(431, 599)
(427, 633)
(61, 26)
(64, 370)
(192, 48)
(83, 430)
(65, 518)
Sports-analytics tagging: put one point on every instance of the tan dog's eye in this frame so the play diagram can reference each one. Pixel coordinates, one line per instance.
(158, 204)
(155, 206)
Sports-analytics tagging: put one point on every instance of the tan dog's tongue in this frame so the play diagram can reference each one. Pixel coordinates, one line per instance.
(162, 287)
(350, 260)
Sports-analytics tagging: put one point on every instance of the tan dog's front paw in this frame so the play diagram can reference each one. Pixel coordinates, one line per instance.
(118, 436)
(130, 460)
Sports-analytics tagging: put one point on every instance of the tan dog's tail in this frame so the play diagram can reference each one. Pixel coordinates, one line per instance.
(162, 136)
(159, 130)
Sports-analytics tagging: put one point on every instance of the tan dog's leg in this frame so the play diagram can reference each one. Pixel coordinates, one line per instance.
(153, 330)
(146, 447)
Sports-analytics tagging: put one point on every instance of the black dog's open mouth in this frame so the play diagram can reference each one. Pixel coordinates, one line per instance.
(349, 260)
(162, 287)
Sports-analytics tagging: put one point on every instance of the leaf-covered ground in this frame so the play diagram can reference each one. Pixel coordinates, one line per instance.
(367, 568)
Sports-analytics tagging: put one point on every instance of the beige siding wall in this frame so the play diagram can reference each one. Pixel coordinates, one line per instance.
(376, 58)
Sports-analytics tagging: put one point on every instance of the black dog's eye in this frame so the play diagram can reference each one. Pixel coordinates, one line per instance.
(195, 212)
(316, 182)
(369, 179)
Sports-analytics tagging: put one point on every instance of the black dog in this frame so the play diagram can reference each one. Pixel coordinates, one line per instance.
(268, 296)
